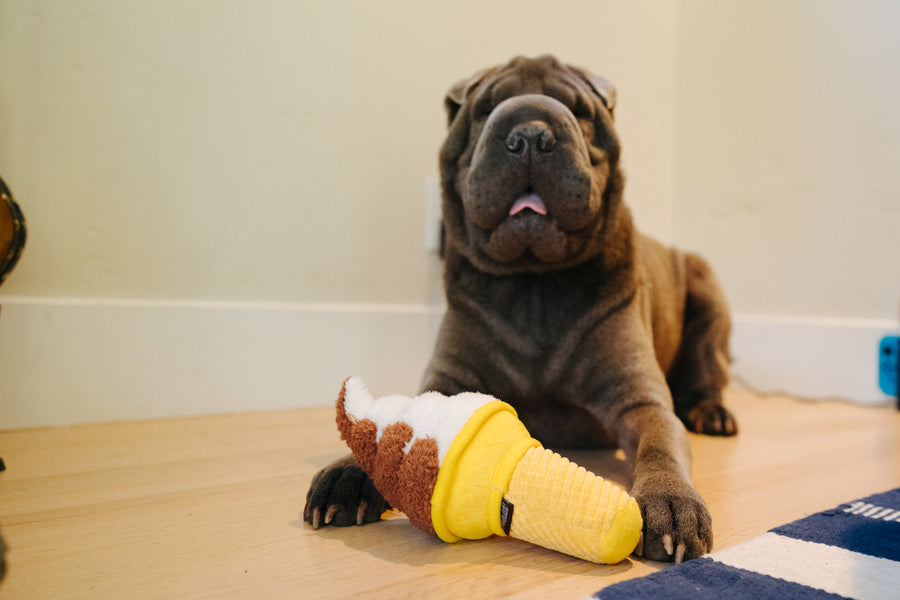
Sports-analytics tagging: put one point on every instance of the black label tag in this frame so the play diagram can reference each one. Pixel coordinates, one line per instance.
(506, 514)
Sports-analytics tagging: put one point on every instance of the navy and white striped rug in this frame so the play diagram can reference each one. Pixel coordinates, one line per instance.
(852, 551)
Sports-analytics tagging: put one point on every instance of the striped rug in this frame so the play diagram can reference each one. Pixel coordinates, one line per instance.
(851, 551)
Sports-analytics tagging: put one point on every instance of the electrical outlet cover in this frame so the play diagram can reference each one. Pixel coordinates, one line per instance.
(889, 364)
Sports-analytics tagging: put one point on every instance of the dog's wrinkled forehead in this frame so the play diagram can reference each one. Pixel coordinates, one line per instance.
(575, 87)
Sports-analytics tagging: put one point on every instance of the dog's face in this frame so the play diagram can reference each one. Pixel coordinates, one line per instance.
(530, 168)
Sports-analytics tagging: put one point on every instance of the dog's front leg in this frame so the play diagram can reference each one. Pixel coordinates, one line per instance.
(677, 524)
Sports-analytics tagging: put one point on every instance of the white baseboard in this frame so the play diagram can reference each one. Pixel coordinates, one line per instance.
(72, 361)
(75, 361)
(810, 357)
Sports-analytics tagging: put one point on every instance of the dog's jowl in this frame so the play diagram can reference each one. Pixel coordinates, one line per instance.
(598, 335)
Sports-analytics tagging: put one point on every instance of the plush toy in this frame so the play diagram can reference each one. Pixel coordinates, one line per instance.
(465, 467)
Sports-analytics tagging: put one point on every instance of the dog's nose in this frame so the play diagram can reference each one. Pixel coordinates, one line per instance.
(531, 135)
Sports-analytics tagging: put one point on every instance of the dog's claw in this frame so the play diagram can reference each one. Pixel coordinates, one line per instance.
(639, 549)
(316, 518)
(361, 512)
(667, 543)
(329, 514)
(679, 553)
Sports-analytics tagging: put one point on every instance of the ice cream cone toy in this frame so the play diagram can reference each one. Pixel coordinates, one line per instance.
(465, 467)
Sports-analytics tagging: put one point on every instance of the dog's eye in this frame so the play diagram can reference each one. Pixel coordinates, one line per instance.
(583, 110)
(482, 109)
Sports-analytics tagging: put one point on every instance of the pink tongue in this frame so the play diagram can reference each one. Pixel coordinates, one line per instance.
(532, 201)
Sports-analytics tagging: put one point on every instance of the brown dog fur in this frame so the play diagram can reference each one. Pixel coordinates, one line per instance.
(598, 335)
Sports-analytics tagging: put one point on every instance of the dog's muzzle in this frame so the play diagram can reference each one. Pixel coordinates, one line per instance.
(528, 190)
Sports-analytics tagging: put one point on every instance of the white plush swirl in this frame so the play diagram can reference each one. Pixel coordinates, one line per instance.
(431, 415)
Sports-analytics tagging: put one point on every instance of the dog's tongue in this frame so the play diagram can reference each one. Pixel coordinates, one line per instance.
(532, 201)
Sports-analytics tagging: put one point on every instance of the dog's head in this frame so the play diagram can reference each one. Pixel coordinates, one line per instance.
(530, 168)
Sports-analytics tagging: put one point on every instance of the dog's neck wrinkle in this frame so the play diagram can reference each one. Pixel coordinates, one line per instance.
(538, 309)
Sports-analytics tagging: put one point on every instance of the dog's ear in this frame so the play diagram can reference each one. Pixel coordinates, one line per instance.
(602, 86)
(460, 92)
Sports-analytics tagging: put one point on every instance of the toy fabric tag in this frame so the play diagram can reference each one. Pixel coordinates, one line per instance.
(506, 515)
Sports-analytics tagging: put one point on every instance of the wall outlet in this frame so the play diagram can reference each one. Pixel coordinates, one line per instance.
(889, 364)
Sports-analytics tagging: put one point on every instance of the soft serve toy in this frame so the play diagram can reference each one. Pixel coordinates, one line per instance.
(465, 467)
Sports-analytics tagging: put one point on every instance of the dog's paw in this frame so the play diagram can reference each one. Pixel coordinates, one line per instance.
(709, 417)
(677, 525)
(342, 494)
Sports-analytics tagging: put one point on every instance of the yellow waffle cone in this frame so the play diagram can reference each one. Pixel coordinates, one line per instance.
(554, 503)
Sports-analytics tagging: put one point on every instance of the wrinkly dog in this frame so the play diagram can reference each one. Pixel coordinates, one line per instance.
(597, 335)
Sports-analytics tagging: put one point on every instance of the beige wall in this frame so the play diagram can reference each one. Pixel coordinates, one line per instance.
(788, 152)
(277, 151)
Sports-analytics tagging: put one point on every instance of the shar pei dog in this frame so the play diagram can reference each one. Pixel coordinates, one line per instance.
(597, 335)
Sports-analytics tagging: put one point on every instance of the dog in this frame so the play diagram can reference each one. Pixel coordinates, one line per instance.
(598, 335)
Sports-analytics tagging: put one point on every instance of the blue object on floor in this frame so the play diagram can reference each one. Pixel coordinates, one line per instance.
(889, 365)
(852, 551)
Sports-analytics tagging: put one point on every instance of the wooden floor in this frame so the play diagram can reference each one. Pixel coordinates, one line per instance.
(209, 507)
